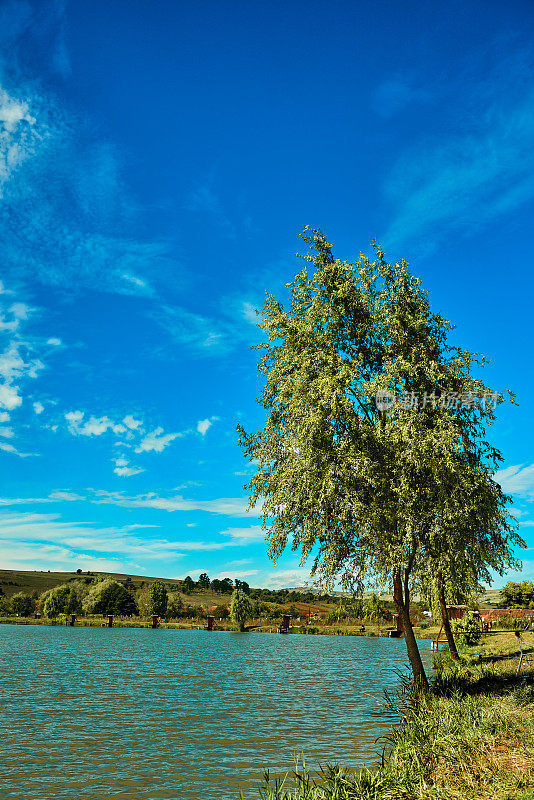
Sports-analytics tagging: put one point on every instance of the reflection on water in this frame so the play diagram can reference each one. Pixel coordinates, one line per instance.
(97, 713)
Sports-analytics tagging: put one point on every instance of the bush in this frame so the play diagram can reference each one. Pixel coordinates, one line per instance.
(468, 630)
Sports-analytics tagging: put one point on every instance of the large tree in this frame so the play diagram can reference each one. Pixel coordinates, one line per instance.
(240, 608)
(109, 597)
(158, 598)
(344, 473)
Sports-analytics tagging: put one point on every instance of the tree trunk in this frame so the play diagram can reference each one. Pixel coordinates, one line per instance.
(445, 617)
(401, 598)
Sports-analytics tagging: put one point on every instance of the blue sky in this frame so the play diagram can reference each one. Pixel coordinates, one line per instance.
(157, 162)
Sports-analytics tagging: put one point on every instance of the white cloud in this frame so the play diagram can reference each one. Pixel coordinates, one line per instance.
(20, 310)
(517, 479)
(156, 441)
(82, 232)
(38, 407)
(233, 574)
(7, 433)
(65, 496)
(139, 283)
(231, 506)
(253, 534)
(9, 397)
(127, 472)
(287, 578)
(9, 448)
(123, 470)
(4, 416)
(203, 425)
(249, 313)
(54, 341)
(131, 423)
(481, 168)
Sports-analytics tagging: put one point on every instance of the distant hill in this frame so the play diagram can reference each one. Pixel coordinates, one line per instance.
(13, 581)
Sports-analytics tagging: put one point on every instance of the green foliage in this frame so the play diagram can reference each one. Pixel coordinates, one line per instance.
(109, 597)
(175, 606)
(5, 606)
(373, 608)
(517, 595)
(467, 630)
(373, 492)
(158, 598)
(60, 600)
(23, 604)
(203, 581)
(221, 612)
(240, 608)
(224, 586)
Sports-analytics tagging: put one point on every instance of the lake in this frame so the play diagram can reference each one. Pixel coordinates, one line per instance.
(140, 714)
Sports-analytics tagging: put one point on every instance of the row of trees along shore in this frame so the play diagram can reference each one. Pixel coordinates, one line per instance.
(401, 496)
(93, 595)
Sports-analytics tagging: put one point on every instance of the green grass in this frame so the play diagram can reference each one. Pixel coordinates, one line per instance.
(470, 738)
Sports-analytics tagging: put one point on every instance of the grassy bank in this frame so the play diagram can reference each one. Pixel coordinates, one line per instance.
(471, 738)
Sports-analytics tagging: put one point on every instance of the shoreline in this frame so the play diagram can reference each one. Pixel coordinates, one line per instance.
(428, 634)
(470, 737)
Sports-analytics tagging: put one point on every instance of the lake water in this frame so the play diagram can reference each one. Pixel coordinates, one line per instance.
(139, 714)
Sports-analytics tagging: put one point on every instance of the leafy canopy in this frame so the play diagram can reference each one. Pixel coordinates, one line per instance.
(374, 493)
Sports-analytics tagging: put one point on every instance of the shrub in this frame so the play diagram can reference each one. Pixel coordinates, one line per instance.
(468, 630)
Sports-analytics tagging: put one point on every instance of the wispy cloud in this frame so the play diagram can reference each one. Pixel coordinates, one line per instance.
(517, 479)
(481, 169)
(287, 578)
(395, 94)
(21, 361)
(205, 335)
(204, 199)
(62, 544)
(82, 232)
(236, 573)
(231, 506)
(253, 534)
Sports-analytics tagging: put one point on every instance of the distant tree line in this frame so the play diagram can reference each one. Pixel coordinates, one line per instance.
(518, 595)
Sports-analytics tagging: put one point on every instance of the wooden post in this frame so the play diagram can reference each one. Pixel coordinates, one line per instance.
(210, 623)
(155, 619)
(284, 627)
(110, 620)
(72, 620)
